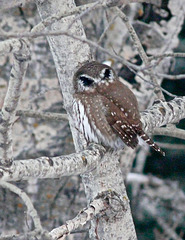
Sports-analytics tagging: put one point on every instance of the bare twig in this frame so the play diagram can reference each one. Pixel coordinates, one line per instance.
(106, 29)
(168, 229)
(42, 115)
(12, 45)
(26, 235)
(153, 84)
(161, 56)
(149, 82)
(66, 33)
(86, 11)
(97, 206)
(8, 111)
(141, 51)
(30, 208)
(171, 132)
(171, 77)
(144, 179)
(171, 146)
(61, 14)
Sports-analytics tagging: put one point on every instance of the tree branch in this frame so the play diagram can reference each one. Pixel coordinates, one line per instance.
(158, 115)
(171, 77)
(47, 116)
(54, 167)
(96, 207)
(162, 113)
(75, 37)
(11, 45)
(11, 100)
(168, 229)
(171, 131)
(141, 52)
(171, 146)
(27, 201)
(164, 55)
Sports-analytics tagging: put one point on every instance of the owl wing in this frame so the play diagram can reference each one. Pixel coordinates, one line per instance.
(123, 98)
(123, 115)
(120, 124)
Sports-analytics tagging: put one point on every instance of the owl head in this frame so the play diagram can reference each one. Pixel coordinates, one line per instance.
(91, 75)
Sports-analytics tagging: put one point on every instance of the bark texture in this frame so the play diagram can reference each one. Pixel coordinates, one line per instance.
(67, 54)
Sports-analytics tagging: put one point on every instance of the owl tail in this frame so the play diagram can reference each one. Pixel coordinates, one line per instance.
(150, 142)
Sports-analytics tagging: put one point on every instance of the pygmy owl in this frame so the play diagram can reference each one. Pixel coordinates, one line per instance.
(106, 110)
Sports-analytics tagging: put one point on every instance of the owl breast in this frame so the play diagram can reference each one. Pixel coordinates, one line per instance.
(91, 120)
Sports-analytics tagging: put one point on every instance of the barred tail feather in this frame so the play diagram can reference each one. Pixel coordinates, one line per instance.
(150, 142)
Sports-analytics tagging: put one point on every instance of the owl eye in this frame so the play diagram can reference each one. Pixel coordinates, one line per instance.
(86, 81)
(106, 73)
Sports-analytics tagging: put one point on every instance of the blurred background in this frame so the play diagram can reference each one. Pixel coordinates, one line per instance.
(58, 200)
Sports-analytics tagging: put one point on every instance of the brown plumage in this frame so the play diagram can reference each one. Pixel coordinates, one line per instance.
(107, 110)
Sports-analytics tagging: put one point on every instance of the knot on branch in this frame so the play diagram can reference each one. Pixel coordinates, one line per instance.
(97, 148)
(23, 54)
(158, 101)
(111, 3)
(112, 202)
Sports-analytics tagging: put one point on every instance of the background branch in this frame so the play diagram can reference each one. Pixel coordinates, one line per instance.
(171, 132)
(27, 201)
(47, 116)
(11, 100)
(97, 206)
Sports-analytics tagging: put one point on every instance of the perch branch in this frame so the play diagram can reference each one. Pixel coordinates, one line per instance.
(54, 167)
(162, 113)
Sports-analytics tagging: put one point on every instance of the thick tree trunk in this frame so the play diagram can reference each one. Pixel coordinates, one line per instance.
(106, 180)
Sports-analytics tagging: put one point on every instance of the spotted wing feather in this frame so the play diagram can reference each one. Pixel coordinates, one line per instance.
(128, 124)
(120, 124)
(123, 98)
